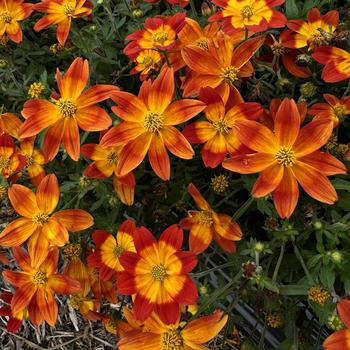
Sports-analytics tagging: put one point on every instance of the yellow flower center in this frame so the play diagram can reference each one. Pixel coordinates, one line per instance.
(172, 340)
(40, 278)
(40, 219)
(205, 218)
(35, 90)
(221, 126)
(3, 191)
(158, 272)
(72, 250)
(118, 251)
(6, 17)
(30, 160)
(112, 157)
(219, 183)
(247, 12)
(285, 156)
(229, 74)
(76, 301)
(202, 43)
(160, 37)
(153, 122)
(318, 295)
(68, 9)
(318, 39)
(277, 49)
(4, 162)
(339, 110)
(147, 61)
(67, 107)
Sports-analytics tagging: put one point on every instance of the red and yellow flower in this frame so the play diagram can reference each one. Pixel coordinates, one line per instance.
(9, 124)
(335, 109)
(220, 66)
(336, 61)
(12, 12)
(88, 307)
(61, 13)
(35, 160)
(72, 109)
(36, 286)
(160, 33)
(38, 224)
(15, 320)
(157, 274)
(340, 340)
(206, 225)
(253, 15)
(147, 62)
(148, 126)
(218, 132)
(109, 249)
(157, 335)
(104, 165)
(286, 157)
(313, 33)
(102, 289)
(10, 159)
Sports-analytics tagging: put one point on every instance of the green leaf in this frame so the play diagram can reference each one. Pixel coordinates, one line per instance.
(294, 289)
(340, 184)
(292, 10)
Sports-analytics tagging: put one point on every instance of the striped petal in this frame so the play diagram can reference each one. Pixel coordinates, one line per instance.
(125, 188)
(121, 134)
(95, 94)
(71, 138)
(17, 232)
(130, 107)
(199, 132)
(52, 140)
(93, 118)
(181, 111)
(23, 200)
(48, 194)
(47, 305)
(268, 181)
(158, 157)
(343, 308)
(339, 340)
(176, 143)
(214, 151)
(38, 248)
(74, 219)
(249, 163)
(22, 297)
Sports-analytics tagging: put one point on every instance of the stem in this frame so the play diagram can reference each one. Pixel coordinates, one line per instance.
(279, 261)
(239, 212)
(302, 262)
(193, 8)
(206, 272)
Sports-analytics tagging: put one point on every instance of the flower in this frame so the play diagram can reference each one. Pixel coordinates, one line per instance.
(220, 66)
(335, 109)
(158, 274)
(317, 31)
(147, 61)
(35, 160)
(340, 339)
(36, 286)
(102, 289)
(38, 225)
(253, 15)
(274, 320)
(336, 61)
(87, 306)
(10, 160)
(206, 225)
(286, 157)
(12, 12)
(148, 125)
(36, 90)
(218, 133)
(61, 12)
(69, 111)
(156, 335)
(9, 124)
(15, 320)
(159, 33)
(318, 295)
(219, 183)
(109, 249)
(105, 161)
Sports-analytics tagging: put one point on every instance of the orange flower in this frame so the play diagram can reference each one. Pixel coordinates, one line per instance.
(314, 32)
(10, 160)
(12, 12)
(206, 225)
(102, 289)
(159, 33)
(158, 274)
(287, 157)
(69, 111)
(253, 15)
(340, 339)
(156, 335)
(336, 61)
(110, 249)
(148, 126)
(105, 161)
(335, 109)
(38, 225)
(147, 61)
(87, 306)
(9, 124)
(35, 160)
(61, 12)
(221, 66)
(37, 285)
(219, 132)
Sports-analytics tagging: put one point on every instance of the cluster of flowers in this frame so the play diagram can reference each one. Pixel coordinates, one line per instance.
(241, 136)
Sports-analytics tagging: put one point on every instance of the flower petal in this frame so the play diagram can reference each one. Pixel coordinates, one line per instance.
(181, 111)
(48, 194)
(17, 232)
(176, 143)
(268, 181)
(23, 200)
(74, 219)
(249, 163)
(158, 157)
(93, 118)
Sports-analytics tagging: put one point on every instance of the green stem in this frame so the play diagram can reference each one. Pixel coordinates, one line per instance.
(279, 261)
(239, 212)
(302, 262)
(193, 8)
(206, 272)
